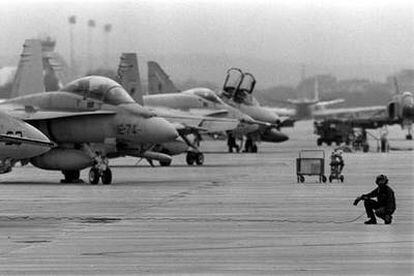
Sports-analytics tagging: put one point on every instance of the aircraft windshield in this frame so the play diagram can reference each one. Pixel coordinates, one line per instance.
(99, 88)
(208, 95)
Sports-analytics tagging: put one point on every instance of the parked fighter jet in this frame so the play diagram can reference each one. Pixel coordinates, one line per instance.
(399, 110)
(306, 108)
(238, 92)
(195, 113)
(19, 141)
(267, 123)
(90, 119)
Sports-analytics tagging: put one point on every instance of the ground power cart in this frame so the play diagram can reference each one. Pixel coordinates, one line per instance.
(310, 163)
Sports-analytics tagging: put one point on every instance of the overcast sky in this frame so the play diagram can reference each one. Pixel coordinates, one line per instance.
(324, 32)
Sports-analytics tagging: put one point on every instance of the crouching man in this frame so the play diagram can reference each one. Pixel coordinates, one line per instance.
(384, 206)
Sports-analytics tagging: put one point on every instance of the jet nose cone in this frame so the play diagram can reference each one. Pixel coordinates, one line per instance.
(160, 131)
(283, 137)
(275, 136)
(39, 143)
(408, 112)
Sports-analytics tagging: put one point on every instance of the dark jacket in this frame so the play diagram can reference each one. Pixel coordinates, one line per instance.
(385, 197)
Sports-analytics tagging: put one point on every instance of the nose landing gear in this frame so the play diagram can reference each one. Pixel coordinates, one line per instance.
(195, 157)
(101, 171)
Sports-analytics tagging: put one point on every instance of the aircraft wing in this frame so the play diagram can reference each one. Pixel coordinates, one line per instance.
(357, 112)
(209, 112)
(22, 140)
(49, 115)
(280, 111)
(328, 103)
(194, 122)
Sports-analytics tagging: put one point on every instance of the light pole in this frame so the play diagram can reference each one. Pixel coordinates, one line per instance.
(91, 25)
(107, 30)
(72, 22)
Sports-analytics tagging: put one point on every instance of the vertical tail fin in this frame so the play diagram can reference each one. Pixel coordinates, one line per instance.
(397, 87)
(56, 71)
(128, 73)
(158, 81)
(29, 75)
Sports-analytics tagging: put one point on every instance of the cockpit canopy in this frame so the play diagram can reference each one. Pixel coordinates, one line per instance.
(206, 94)
(99, 88)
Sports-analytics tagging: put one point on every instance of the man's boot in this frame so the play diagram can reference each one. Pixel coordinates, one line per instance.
(371, 221)
(387, 219)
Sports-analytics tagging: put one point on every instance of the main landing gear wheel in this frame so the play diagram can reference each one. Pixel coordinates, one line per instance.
(319, 142)
(323, 178)
(409, 137)
(190, 158)
(195, 157)
(342, 178)
(106, 176)
(165, 163)
(94, 176)
(199, 158)
(301, 178)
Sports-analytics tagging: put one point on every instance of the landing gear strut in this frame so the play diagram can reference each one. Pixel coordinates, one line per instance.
(100, 170)
(195, 155)
(409, 136)
(105, 176)
(231, 143)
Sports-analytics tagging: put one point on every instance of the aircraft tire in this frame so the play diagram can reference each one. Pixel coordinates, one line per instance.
(106, 176)
(93, 176)
(319, 142)
(199, 158)
(409, 137)
(165, 163)
(190, 158)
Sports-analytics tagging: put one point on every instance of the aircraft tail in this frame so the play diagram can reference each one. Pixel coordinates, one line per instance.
(128, 73)
(158, 81)
(397, 87)
(57, 72)
(29, 74)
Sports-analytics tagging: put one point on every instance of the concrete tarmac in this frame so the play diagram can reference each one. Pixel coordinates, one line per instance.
(237, 214)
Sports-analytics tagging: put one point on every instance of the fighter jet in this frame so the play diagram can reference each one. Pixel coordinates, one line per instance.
(401, 109)
(265, 122)
(196, 113)
(90, 119)
(306, 108)
(238, 92)
(19, 141)
(187, 124)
